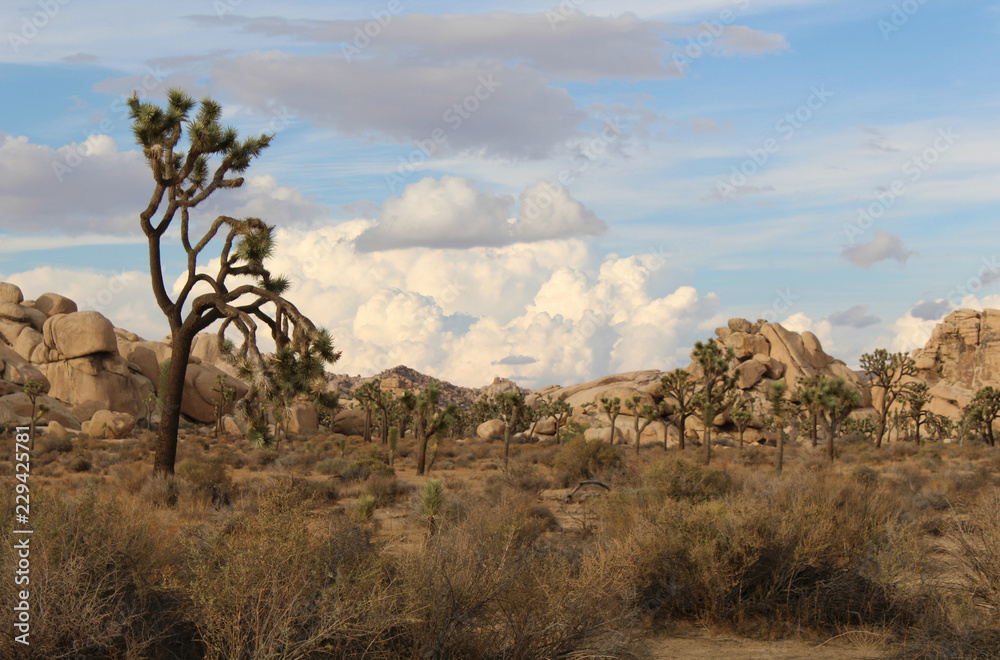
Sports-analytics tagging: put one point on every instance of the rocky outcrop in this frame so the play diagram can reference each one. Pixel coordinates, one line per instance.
(491, 429)
(961, 357)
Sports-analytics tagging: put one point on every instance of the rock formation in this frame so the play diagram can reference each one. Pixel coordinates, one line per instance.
(961, 357)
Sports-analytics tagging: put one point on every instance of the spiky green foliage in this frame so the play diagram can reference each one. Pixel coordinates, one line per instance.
(432, 497)
(915, 398)
(888, 372)
(612, 407)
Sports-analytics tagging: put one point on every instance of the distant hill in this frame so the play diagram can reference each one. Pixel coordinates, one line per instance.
(400, 378)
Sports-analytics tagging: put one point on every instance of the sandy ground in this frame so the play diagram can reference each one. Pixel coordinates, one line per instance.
(699, 643)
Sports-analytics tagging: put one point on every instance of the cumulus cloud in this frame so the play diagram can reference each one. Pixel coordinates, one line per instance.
(453, 213)
(884, 246)
(855, 317)
(541, 311)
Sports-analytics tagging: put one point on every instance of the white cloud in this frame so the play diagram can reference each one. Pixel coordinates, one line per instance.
(453, 213)
(822, 329)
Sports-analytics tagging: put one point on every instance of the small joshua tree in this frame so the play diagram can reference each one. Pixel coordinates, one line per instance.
(430, 420)
(982, 411)
(811, 398)
(560, 411)
(836, 400)
(35, 389)
(226, 394)
(716, 383)
(741, 411)
(511, 408)
(887, 371)
(679, 385)
(612, 407)
(431, 500)
(393, 444)
(778, 417)
(643, 415)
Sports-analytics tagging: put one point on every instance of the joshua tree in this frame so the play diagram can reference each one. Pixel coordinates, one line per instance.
(811, 398)
(612, 408)
(679, 385)
(917, 397)
(511, 409)
(430, 421)
(643, 415)
(778, 417)
(716, 383)
(887, 371)
(226, 394)
(836, 400)
(407, 404)
(383, 402)
(393, 442)
(560, 411)
(741, 411)
(365, 394)
(34, 389)
(983, 410)
(183, 180)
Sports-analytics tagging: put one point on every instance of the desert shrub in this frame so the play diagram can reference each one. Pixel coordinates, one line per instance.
(268, 586)
(584, 459)
(56, 445)
(78, 464)
(487, 588)
(96, 591)
(681, 479)
(813, 551)
(287, 461)
(525, 477)
(160, 491)
(385, 488)
(977, 540)
(753, 455)
(866, 476)
(210, 479)
(263, 457)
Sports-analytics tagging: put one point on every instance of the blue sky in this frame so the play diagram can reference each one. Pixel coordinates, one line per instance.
(617, 180)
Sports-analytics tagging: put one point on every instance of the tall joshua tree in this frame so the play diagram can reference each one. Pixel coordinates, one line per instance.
(836, 401)
(887, 371)
(184, 176)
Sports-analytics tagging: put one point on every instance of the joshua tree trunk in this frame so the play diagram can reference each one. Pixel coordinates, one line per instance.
(708, 444)
(742, 431)
(781, 450)
(814, 433)
(680, 438)
(170, 416)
